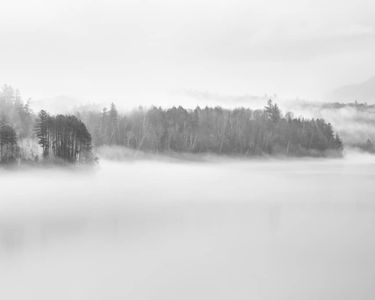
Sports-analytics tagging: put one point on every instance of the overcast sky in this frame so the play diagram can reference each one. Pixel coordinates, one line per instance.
(131, 51)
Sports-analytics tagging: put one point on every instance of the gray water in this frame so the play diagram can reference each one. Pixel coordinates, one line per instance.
(190, 230)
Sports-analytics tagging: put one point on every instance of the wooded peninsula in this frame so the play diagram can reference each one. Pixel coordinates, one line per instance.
(26, 136)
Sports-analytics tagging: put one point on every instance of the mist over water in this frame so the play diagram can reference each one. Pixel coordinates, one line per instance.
(217, 229)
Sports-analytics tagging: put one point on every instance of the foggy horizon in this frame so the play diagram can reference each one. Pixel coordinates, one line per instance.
(133, 51)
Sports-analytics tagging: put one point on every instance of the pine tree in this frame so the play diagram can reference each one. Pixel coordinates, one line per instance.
(272, 111)
(42, 131)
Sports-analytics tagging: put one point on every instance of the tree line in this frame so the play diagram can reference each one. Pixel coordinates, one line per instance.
(240, 131)
(217, 130)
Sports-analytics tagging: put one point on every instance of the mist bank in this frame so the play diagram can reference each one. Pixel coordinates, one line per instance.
(115, 153)
(249, 228)
(354, 121)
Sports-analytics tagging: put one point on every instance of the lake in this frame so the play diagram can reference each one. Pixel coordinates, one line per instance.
(174, 229)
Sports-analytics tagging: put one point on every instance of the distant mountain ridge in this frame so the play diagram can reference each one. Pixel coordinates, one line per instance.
(364, 91)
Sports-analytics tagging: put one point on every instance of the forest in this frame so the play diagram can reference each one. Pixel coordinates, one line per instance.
(216, 130)
(29, 136)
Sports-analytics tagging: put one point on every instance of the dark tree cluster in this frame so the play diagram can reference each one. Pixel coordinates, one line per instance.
(240, 131)
(63, 137)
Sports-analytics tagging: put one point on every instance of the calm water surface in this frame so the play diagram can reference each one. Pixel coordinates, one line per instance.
(200, 230)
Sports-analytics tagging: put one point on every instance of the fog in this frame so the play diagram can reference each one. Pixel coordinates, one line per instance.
(354, 124)
(173, 229)
(130, 51)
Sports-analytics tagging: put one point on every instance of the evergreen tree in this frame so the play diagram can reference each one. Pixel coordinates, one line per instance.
(272, 111)
(42, 131)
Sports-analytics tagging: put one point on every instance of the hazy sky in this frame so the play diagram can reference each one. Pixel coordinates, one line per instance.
(130, 50)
